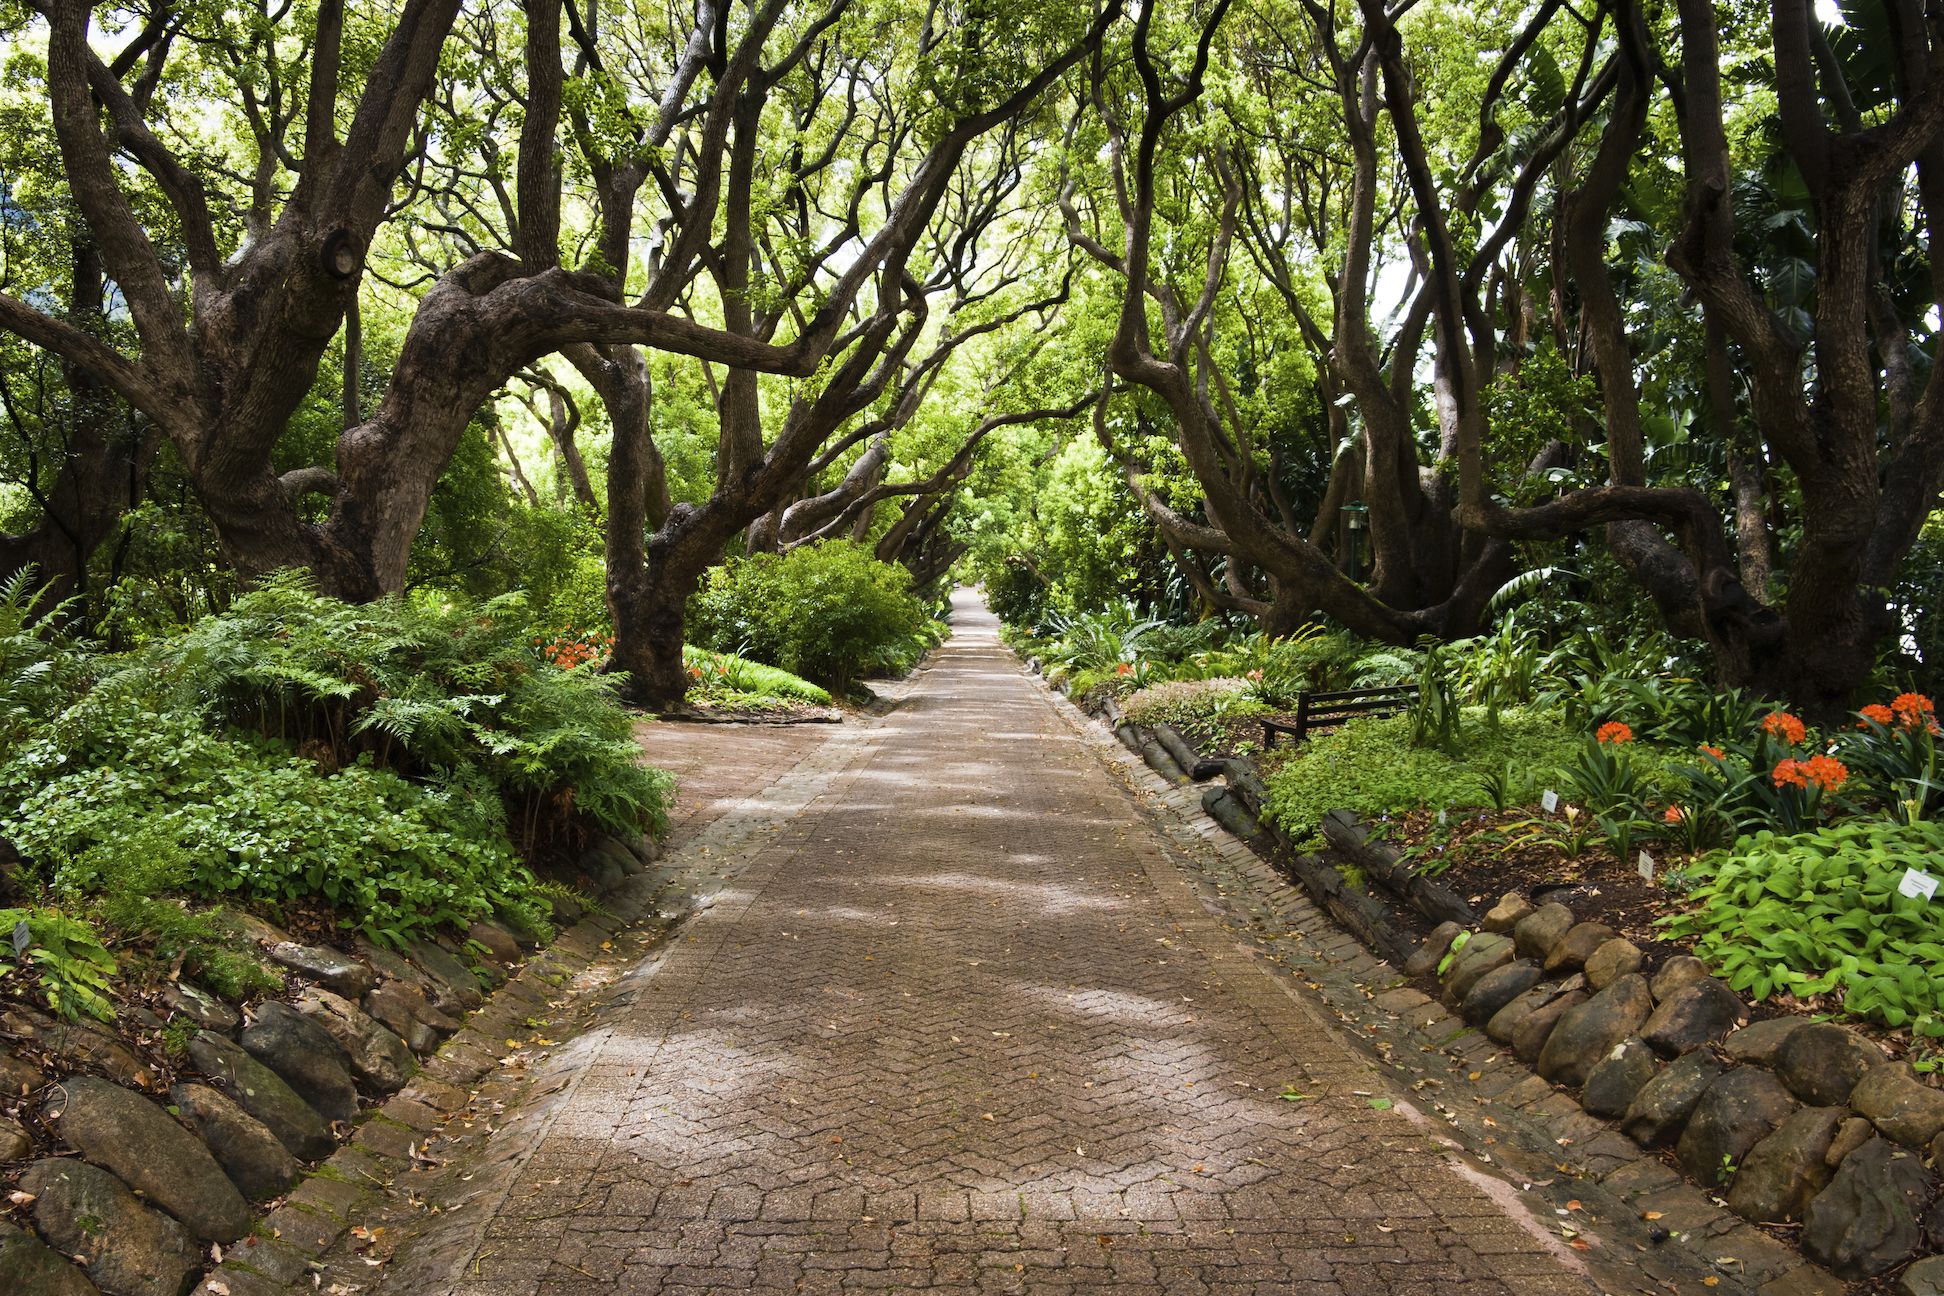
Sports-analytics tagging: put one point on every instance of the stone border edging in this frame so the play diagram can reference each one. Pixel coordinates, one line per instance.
(1549, 1126)
(291, 1240)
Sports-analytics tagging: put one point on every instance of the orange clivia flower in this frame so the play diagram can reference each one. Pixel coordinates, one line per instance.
(1790, 773)
(1673, 815)
(1913, 708)
(1781, 724)
(1613, 731)
(1123, 669)
(1877, 713)
(1709, 749)
(1826, 772)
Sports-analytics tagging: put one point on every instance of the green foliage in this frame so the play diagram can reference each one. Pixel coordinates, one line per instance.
(1016, 595)
(1542, 400)
(1185, 702)
(1819, 913)
(1436, 720)
(1099, 641)
(728, 680)
(135, 893)
(423, 686)
(1371, 766)
(1312, 659)
(39, 671)
(63, 956)
(242, 817)
(830, 612)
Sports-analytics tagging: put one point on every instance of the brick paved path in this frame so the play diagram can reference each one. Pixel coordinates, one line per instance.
(961, 1027)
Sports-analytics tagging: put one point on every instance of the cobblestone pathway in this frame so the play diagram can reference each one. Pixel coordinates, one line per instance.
(960, 1026)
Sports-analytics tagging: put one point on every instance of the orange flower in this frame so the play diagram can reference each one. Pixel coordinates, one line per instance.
(1673, 815)
(1123, 669)
(1708, 749)
(1826, 771)
(1913, 709)
(1782, 725)
(1790, 773)
(1613, 732)
(1877, 713)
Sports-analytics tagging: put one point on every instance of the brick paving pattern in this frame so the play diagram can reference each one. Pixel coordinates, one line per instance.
(960, 1025)
(717, 764)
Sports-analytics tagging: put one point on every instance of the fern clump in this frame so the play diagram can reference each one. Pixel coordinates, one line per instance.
(421, 686)
(399, 762)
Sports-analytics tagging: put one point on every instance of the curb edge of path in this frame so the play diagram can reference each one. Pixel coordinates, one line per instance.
(290, 1243)
(1354, 984)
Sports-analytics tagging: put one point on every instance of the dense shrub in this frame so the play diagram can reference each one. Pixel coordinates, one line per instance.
(235, 817)
(830, 612)
(1819, 913)
(1370, 766)
(1183, 702)
(445, 685)
(1016, 595)
(389, 760)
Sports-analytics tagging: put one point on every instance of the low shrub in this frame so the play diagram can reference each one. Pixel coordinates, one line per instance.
(1372, 767)
(830, 612)
(420, 687)
(240, 817)
(1819, 913)
(725, 679)
(1184, 702)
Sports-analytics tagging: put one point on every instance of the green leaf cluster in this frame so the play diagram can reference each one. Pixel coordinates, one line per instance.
(431, 686)
(829, 611)
(249, 820)
(1372, 767)
(63, 955)
(1819, 913)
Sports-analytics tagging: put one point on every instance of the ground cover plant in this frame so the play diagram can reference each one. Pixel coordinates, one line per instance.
(1774, 845)
(399, 768)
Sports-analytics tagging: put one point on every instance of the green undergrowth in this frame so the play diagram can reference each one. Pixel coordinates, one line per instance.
(1819, 913)
(399, 767)
(829, 612)
(725, 680)
(1371, 767)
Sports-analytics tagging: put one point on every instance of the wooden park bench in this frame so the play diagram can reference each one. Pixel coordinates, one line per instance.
(1328, 710)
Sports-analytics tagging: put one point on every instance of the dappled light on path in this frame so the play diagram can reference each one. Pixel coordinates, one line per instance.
(943, 1033)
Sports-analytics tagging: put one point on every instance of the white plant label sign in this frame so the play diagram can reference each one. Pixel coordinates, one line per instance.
(1917, 884)
(1550, 801)
(1647, 866)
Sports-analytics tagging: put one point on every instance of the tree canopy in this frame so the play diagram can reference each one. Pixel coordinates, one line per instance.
(1282, 310)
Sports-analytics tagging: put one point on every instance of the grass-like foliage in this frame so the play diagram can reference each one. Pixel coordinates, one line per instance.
(830, 612)
(728, 680)
(1373, 767)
